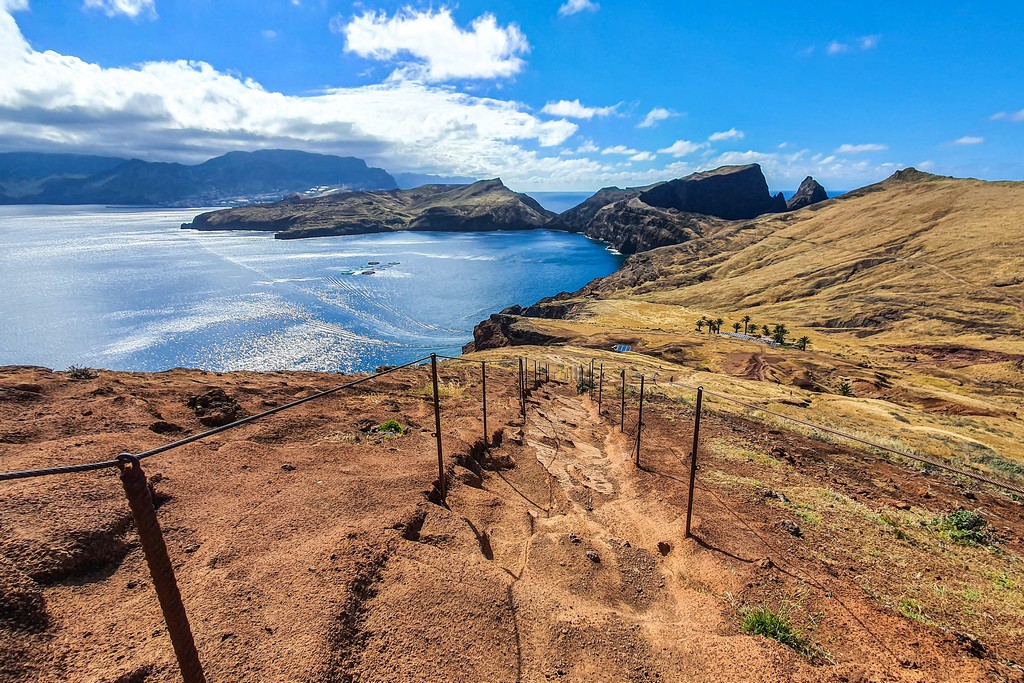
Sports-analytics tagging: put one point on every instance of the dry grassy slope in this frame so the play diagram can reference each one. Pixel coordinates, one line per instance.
(925, 255)
(910, 289)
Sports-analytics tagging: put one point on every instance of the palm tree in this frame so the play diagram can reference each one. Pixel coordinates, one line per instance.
(802, 343)
(718, 324)
(765, 331)
(746, 321)
(700, 325)
(779, 333)
(736, 328)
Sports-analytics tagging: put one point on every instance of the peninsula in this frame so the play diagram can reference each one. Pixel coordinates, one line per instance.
(483, 205)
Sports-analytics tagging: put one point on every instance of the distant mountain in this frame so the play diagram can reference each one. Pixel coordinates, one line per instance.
(408, 181)
(641, 218)
(483, 205)
(235, 177)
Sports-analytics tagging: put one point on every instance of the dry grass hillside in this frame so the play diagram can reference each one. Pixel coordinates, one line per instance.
(910, 292)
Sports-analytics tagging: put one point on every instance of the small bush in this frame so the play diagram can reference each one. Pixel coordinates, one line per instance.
(845, 388)
(964, 527)
(774, 624)
(911, 609)
(75, 372)
(391, 427)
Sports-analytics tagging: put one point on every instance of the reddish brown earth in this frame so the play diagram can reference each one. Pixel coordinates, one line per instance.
(307, 546)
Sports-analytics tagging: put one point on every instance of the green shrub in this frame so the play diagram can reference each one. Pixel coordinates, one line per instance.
(391, 427)
(964, 527)
(774, 624)
(75, 372)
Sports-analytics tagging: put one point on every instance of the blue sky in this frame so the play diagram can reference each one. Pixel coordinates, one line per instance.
(560, 95)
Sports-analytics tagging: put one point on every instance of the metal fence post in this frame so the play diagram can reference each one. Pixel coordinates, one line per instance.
(591, 379)
(437, 428)
(522, 391)
(600, 390)
(483, 390)
(622, 404)
(640, 421)
(693, 458)
(140, 500)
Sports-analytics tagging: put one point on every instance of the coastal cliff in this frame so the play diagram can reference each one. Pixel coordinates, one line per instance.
(484, 205)
(640, 218)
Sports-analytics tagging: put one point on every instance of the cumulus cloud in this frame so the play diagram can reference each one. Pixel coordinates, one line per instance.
(655, 116)
(588, 147)
(860, 149)
(969, 140)
(1015, 116)
(643, 156)
(428, 45)
(731, 134)
(269, 34)
(862, 43)
(574, 109)
(576, 6)
(618, 149)
(682, 148)
(128, 8)
(189, 111)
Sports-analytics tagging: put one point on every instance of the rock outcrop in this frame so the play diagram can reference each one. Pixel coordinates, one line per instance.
(729, 192)
(640, 218)
(484, 205)
(809, 192)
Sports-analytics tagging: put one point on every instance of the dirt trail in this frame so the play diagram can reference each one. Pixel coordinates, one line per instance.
(553, 558)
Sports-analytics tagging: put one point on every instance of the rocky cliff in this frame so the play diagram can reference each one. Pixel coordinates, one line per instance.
(809, 192)
(640, 218)
(484, 205)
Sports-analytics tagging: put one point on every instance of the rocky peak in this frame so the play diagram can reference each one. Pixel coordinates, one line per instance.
(730, 192)
(809, 192)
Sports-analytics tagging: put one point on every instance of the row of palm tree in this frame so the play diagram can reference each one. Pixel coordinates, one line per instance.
(777, 332)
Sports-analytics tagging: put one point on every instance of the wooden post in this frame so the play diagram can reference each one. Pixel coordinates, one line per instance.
(693, 458)
(640, 421)
(600, 390)
(437, 429)
(483, 390)
(622, 404)
(140, 500)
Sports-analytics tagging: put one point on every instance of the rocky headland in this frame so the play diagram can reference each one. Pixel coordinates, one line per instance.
(483, 205)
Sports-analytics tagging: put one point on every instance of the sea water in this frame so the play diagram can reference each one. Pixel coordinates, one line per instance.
(128, 289)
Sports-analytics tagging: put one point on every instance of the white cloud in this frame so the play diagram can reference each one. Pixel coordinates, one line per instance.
(731, 134)
(969, 140)
(618, 149)
(1015, 116)
(868, 42)
(926, 165)
(269, 34)
(643, 156)
(863, 43)
(576, 110)
(835, 48)
(588, 147)
(128, 8)
(859, 149)
(655, 116)
(427, 44)
(681, 148)
(577, 6)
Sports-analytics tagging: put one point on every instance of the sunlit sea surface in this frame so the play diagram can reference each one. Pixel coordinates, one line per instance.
(127, 289)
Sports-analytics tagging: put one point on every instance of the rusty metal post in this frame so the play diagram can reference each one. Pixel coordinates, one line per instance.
(140, 500)
(622, 404)
(483, 391)
(600, 391)
(437, 429)
(640, 421)
(693, 458)
(522, 391)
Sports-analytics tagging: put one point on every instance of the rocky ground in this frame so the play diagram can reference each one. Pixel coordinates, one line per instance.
(312, 546)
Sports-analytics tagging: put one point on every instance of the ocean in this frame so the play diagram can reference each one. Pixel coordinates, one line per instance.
(127, 289)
